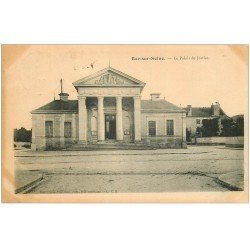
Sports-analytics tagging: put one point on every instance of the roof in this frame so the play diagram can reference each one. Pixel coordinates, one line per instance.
(72, 106)
(159, 105)
(58, 105)
(204, 111)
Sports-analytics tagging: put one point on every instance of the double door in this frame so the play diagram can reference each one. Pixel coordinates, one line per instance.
(110, 126)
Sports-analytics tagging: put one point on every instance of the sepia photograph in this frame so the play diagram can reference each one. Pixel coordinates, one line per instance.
(163, 122)
(124, 125)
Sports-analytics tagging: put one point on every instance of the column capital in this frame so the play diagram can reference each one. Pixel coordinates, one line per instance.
(137, 97)
(100, 97)
(81, 97)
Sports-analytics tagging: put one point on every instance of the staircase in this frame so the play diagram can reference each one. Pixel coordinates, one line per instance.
(109, 145)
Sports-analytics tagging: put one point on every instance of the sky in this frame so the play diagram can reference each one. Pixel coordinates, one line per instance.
(32, 73)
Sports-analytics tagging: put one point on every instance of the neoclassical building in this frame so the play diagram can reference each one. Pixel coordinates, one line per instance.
(109, 110)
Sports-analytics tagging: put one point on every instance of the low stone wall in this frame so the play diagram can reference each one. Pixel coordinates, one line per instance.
(236, 141)
(210, 141)
(165, 142)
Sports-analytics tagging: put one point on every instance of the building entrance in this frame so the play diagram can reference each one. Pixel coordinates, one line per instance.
(110, 127)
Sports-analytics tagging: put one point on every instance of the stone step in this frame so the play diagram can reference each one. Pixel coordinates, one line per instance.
(109, 146)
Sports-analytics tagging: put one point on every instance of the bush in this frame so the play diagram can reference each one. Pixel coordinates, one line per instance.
(22, 135)
(210, 127)
(233, 127)
(240, 125)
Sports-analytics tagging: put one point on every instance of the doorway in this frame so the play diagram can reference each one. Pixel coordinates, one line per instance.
(110, 127)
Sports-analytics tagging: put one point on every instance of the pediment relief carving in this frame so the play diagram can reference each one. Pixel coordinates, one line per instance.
(110, 79)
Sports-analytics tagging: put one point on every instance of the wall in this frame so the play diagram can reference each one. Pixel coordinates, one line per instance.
(128, 125)
(192, 125)
(162, 139)
(210, 140)
(236, 141)
(92, 125)
(40, 142)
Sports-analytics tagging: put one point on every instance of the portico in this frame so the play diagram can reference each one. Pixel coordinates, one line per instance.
(109, 118)
(111, 101)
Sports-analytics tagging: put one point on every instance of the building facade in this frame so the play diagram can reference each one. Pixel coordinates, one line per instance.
(109, 109)
(195, 116)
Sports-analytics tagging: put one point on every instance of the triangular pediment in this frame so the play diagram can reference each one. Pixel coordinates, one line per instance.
(109, 77)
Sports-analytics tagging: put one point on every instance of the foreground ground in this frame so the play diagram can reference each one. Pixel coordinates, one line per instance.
(204, 168)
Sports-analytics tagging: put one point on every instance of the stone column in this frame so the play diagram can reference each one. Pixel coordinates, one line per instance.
(119, 127)
(137, 118)
(82, 117)
(101, 132)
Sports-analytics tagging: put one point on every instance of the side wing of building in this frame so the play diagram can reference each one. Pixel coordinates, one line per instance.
(163, 124)
(55, 125)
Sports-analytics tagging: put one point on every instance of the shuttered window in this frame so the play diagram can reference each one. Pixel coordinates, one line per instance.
(48, 128)
(170, 127)
(67, 129)
(152, 128)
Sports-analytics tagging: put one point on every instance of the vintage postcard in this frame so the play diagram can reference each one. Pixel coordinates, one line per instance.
(125, 123)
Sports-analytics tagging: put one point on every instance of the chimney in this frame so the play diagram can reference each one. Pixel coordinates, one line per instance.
(189, 110)
(155, 96)
(216, 109)
(63, 96)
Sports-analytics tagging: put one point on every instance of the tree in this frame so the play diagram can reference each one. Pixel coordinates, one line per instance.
(210, 127)
(233, 127)
(22, 135)
(240, 125)
(227, 127)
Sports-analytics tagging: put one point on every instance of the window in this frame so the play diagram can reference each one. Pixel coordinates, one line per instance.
(67, 129)
(170, 127)
(152, 128)
(48, 128)
(198, 121)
